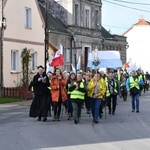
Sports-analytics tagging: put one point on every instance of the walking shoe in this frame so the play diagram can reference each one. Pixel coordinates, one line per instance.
(133, 110)
(39, 119)
(75, 121)
(69, 117)
(88, 112)
(58, 118)
(54, 118)
(113, 112)
(96, 121)
(44, 119)
(137, 111)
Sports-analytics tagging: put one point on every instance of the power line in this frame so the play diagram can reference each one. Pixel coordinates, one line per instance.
(115, 26)
(127, 6)
(131, 2)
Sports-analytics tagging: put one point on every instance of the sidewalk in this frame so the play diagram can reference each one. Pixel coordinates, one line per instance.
(22, 103)
(14, 104)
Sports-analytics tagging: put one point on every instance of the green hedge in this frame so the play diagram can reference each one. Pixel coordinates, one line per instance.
(4, 100)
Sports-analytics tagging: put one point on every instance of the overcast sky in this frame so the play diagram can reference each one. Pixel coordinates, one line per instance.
(118, 19)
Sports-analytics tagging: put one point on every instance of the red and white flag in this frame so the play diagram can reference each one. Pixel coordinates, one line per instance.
(58, 59)
(131, 65)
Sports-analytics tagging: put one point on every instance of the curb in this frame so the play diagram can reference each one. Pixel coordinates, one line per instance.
(14, 104)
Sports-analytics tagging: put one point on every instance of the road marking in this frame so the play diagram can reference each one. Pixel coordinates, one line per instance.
(5, 106)
(127, 144)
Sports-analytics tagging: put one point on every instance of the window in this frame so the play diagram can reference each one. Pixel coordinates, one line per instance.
(96, 19)
(87, 20)
(66, 54)
(27, 18)
(76, 14)
(14, 60)
(34, 62)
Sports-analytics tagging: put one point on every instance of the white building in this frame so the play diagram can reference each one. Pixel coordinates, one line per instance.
(139, 44)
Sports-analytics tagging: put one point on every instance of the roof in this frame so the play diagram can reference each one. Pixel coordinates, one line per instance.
(53, 23)
(106, 34)
(57, 26)
(140, 22)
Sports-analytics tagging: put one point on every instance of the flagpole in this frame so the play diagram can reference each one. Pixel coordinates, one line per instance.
(75, 55)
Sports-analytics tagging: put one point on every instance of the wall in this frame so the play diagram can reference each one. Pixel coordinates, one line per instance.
(138, 39)
(17, 37)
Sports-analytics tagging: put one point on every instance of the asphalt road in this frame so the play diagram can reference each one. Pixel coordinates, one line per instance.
(124, 131)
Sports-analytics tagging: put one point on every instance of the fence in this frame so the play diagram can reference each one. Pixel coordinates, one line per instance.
(17, 92)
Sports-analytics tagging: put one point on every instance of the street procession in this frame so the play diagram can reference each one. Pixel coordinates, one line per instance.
(74, 75)
(96, 92)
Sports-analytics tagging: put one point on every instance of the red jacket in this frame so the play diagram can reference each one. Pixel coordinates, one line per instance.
(55, 91)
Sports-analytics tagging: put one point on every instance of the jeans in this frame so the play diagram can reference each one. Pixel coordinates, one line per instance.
(95, 104)
(135, 98)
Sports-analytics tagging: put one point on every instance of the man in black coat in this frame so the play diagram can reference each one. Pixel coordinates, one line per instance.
(40, 105)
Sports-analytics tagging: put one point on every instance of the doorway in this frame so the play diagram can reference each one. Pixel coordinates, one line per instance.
(86, 53)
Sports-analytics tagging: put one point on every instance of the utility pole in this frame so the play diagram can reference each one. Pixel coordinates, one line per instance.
(3, 25)
(46, 33)
(1, 43)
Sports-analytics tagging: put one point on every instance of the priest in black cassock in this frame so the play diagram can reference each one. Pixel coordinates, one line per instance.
(40, 104)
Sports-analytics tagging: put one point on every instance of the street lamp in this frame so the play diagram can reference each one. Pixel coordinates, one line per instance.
(46, 34)
(4, 23)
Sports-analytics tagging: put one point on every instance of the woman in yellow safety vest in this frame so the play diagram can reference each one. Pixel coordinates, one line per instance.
(111, 93)
(70, 82)
(133, 87)
(77, 97)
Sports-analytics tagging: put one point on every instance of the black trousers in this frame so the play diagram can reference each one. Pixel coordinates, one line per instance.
(57, 108)
(111, 102)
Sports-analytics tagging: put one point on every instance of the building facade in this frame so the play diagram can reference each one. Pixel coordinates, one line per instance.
(138, 40)
(25, 29)
(83, 21)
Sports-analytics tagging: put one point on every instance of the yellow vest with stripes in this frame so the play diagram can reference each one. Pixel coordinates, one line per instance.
(76, 94)
(134, 83)
(108, 92)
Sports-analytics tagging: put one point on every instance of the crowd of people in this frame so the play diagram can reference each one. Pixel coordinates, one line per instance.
(92, 90)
